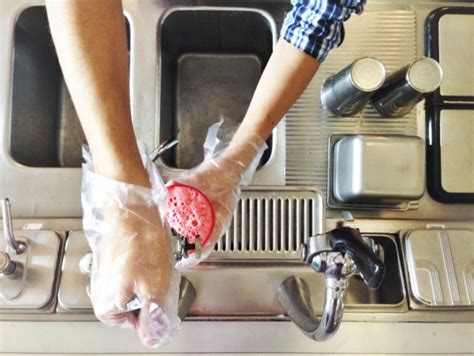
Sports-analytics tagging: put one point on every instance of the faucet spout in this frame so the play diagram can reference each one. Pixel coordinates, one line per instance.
(295, 298)
(339, 254)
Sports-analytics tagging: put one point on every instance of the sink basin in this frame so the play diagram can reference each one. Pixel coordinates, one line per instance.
(45, 130)
(211, 61)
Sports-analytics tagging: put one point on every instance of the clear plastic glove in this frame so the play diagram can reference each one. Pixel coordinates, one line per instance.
(224, 170)
(134, 282)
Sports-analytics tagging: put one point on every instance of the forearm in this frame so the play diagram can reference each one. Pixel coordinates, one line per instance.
(285, 77)
(91, 44)
(309, 32)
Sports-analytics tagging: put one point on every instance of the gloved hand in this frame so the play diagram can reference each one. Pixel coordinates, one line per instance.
(226, 167)
(134, 282)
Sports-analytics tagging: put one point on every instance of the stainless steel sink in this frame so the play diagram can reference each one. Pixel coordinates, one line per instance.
(39, 143)
(260, 250)
(45, 130)
(211, 61)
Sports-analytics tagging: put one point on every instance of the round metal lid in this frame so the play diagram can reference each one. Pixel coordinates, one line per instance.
(425, 75)
(367, 74)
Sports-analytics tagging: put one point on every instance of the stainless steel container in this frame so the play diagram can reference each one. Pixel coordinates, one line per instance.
(439, 265)
(347, 92)
(406, 87)
(378, 169)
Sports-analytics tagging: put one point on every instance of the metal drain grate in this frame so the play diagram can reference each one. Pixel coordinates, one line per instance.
(269, 223)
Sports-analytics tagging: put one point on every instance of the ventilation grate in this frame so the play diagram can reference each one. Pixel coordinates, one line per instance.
(267, 224)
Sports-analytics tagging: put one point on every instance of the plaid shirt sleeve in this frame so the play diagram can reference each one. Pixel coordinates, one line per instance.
(316, 26)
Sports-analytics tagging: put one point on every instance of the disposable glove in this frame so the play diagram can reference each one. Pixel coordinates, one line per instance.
(225, 169)
(134, 282)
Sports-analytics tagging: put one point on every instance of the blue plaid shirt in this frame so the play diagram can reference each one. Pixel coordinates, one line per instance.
(316, 26)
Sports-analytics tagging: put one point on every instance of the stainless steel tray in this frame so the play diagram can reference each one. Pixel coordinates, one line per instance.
(440, 268)
(333, 202)
(35, 291)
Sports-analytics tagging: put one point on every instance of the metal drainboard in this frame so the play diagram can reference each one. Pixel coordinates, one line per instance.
(309, 125)
(272, 224)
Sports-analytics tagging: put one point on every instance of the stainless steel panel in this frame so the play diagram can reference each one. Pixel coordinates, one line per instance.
(210, 86)
(391, 31)
(456, 54)
(72, 294)
(309, 125)
(271, 224)
(406, 87)
(211, 61)
(347, 92)
(247, 289)
(378, 169)
(333, 202)
(36, 291)
(45, 129)
(457, 150)
(440, 265)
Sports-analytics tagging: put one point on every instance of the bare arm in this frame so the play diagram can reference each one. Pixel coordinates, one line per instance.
(91, 44)
(309, 32)
(285, 77)
(134, 282)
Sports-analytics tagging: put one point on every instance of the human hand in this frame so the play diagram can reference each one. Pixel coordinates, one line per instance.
(134, 282)
(220, 176)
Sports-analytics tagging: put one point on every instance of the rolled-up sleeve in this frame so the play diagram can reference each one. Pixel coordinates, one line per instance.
(316, 26)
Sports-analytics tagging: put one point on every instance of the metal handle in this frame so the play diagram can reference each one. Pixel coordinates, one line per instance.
(9, 268)
(370, 267)
(17, 246)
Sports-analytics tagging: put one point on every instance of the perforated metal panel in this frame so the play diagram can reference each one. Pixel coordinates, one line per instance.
(272, 224)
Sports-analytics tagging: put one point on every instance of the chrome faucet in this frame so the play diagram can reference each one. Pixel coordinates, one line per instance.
(339, 254)
(8, 267)
(16, 246)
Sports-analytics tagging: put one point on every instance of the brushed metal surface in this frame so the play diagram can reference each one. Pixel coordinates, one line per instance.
(347, 92)
(309, 125)
(247, 288)
(334, 203)
(457, 150)
(393, 32)
(406, 87)
(210, 86)
(272, 223)
(378, 169)
(72, 293)
(440, 265)
(211, 59)
(36, 291)
(456, 56)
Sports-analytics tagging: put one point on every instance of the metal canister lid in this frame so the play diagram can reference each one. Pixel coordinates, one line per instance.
(367, 74)
(425, 75)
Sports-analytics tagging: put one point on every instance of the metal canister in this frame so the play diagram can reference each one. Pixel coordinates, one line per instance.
(406, 87)
(347, 92)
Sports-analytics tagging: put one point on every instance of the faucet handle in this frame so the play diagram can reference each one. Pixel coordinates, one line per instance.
(8, 268)
(349, 240)
(17, 246)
